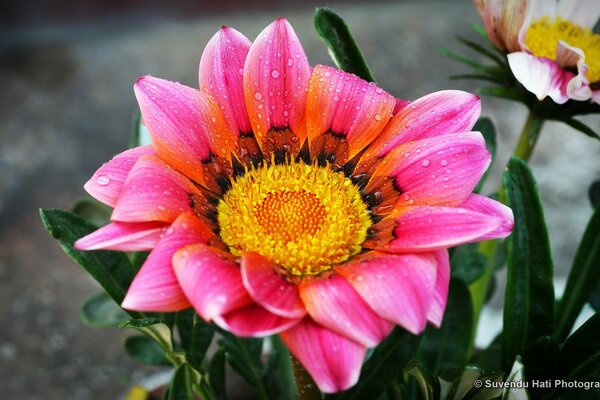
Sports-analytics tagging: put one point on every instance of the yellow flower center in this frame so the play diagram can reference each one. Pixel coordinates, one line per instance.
(543, 35)
(305, 218)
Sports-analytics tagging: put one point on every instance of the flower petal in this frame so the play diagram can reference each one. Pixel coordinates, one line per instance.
(106, 183)
(186, 125)
(210, 279)
(441, 170)
(221, 75)
(155, 287)
(333, 303)
(269, 289)
(332, 360)
(431, 228)
(343, 112)
(276, 77)
(541, 76)
(502, 20)
(580, 12)
(153, 192)
(399, 288)
(488, 206)
(442, 283)
(254, 321)
(123, 236)
(567, 56)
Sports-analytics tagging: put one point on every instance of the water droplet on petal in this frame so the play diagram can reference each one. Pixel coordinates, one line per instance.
(425, 163)
(444, 163)
(257, 95)
(275, 74)
(103, 180)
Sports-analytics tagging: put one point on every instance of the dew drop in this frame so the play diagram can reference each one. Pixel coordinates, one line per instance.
(103, 180)
(257, 95)
(425, 163)
(275, 74)
(444, 163)
(377, 117)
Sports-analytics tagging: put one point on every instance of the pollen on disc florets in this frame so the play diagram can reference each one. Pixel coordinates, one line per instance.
(543, 35)
(305, 218)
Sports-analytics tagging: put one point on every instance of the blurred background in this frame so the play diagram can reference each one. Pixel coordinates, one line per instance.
(66, 75)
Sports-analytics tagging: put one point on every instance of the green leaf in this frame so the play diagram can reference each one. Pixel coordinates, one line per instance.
(461, 59)
(579, 360)
(583, 279)
(342, 48)
(100, 311)
(468, 265)
(217, 376)
(182, 384)
(482, 50)
(384, 366)
(446, 348)
(529, 299)
(112, 270)
(463, 386)
(154, 328)
(145, 350)
(502, 92)
(488, 130)
(428, 383)
(541, 361)
(243, 355)
(280, 368)
(581, 127)
(490, 358)
(515, 377)
(92, 211)
(196, 336)
(594, 193)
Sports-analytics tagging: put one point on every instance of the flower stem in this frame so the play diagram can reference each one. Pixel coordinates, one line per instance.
(305, 385)
(526, 143)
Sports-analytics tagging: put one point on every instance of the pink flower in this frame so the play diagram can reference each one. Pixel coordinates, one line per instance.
(305, 202)
(552, 49)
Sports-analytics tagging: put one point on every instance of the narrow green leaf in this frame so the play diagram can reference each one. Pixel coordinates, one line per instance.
(154, 328)
(488, 130)
(384, 366)
(182, 384)
(468, 265)
(581, 127)
(541, 362)
(516, 377)
(461, 59)
(463, 386)
(490, 358)
(100, 311)
(280, 368)
(482, 50)
(594, 193)
(579, 360)
(196, 336)
(92, 211)
(343, 49)
(529, 299)
(243, 355)
(145, 350)
(583, 278)
(595, 298)
(217, 376)
(446, 348)
(502, 92)
(478, 77)
(428, 383)
(112, 270)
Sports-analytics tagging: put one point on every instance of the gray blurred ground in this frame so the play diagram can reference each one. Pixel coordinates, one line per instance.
(66, 108)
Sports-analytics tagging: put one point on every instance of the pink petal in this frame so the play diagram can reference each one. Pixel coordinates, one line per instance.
(333, 303)
(434, 171)
(541, 76)
(494, 208)
(153, 192)
(435, 228)
(332, 360)
(399, 288)
(269, 289)
(400, 104)
(221, 75)
(186, 125)
(442, 283)
(155, 287)
(345, 106)
(276, 77)
(123, 236)
(211, 280)
(567, 56)
(254, 321)
(106, 183)
(439, 113)
(581, 12)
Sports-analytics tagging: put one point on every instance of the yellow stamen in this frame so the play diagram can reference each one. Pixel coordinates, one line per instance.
(543, 35)
(304, 217)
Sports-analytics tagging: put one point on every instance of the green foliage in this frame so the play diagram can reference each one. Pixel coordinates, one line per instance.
(100, 311)
(144, 349)
(488, 130)
(342, 48)
(529, 299)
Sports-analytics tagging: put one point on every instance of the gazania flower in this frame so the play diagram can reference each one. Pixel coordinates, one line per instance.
(307, 202)
(553, 51)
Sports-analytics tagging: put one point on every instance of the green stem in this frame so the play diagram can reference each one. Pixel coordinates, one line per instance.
(305, 385)
(525, 145)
